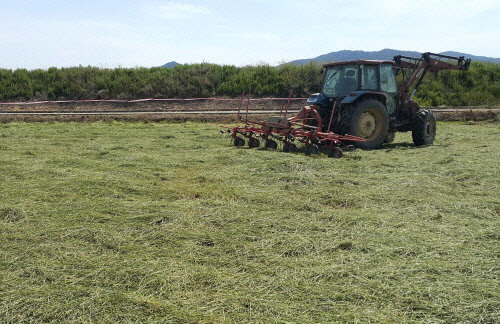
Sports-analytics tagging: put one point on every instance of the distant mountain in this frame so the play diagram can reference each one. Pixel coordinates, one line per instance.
(385, 54)
(473, 57)
(170, 65)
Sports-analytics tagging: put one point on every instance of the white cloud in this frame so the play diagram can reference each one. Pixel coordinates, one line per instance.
(175, 10)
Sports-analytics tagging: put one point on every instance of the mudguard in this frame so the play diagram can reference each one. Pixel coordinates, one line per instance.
(353, 96)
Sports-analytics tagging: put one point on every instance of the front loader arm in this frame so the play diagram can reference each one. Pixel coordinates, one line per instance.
(416, 69)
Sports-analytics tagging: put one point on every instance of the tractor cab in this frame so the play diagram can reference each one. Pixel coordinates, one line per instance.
(350, 80)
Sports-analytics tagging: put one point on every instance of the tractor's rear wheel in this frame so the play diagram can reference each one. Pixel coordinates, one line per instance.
(367, 119)
(424, 128)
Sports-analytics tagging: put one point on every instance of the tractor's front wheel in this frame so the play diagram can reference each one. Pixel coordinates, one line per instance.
(424, 128)
(367, 119)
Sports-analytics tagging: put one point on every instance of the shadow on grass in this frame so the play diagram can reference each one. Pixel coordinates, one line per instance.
(348, 154)
(351, 154)
(399, 145)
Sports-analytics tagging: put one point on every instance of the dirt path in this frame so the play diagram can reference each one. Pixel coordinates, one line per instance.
(202, 106)
(192, 112)
(199, 105)
(199, 110)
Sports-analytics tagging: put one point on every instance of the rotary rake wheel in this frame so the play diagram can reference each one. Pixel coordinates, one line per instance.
(271, 144)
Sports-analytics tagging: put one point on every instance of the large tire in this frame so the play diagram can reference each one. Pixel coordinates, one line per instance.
(424, 128)
(367, 119)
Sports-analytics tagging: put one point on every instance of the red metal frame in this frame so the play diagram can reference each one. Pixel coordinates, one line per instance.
(295, 128)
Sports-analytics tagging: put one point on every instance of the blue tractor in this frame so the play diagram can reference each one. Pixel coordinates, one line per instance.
(370, 102)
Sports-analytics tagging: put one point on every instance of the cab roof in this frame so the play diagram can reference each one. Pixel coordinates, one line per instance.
(365, 62)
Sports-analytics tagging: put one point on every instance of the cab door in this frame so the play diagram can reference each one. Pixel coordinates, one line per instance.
(389, 87)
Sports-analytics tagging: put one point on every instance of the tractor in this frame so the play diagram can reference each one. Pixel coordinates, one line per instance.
(370, 103)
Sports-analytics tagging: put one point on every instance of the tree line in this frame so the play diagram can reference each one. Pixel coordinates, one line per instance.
(479, 86)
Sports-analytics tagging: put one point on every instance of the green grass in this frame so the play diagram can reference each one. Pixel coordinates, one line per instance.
(155, 222)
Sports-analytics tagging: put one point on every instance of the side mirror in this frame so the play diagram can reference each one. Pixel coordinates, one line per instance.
(322, 70)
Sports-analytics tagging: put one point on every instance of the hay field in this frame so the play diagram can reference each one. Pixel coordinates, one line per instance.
(159, 222)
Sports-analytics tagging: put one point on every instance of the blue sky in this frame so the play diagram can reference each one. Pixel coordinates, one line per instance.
(110, 33)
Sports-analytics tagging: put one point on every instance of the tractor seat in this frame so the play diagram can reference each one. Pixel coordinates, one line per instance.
(349, 84)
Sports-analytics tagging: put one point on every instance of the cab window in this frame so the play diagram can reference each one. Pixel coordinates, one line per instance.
(369, 77)
(387, 79)
(340, 80)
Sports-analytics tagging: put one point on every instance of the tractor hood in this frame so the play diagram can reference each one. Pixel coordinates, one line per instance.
(317, 99)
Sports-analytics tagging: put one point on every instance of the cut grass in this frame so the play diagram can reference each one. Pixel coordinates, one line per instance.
(134, 222)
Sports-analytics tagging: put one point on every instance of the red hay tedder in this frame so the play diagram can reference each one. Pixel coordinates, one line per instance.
(306, 128)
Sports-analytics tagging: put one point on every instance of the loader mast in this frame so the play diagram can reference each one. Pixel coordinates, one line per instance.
(414, 70)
